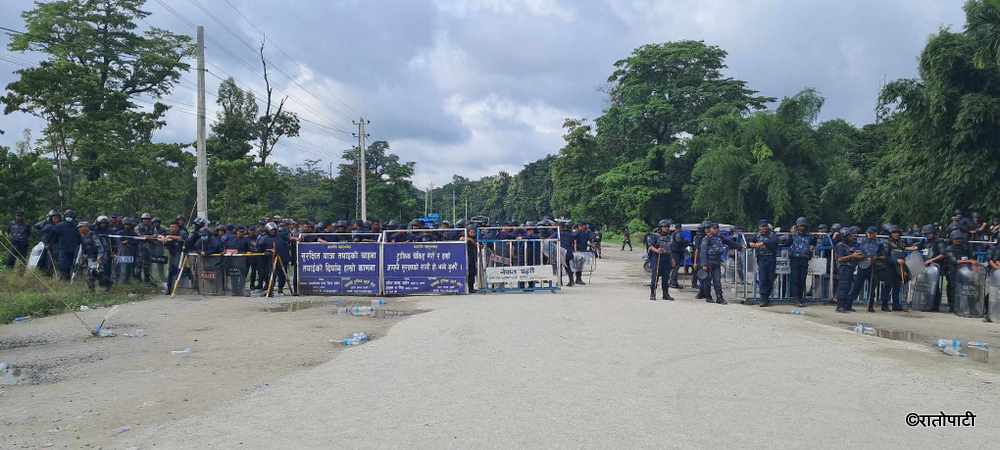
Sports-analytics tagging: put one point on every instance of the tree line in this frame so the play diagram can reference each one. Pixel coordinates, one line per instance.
(680, 138)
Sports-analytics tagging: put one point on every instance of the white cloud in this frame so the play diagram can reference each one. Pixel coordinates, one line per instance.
(538, 8)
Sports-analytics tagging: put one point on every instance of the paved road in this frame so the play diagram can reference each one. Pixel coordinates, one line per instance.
(603, 367)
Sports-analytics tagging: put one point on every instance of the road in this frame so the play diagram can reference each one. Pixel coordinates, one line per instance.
(603, 367)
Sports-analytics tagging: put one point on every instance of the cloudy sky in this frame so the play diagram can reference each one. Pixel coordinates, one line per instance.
(472, 87)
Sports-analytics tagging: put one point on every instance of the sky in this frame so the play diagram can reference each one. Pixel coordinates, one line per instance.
(473, 87)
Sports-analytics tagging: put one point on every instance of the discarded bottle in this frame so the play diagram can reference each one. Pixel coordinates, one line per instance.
(355, 339)
(377, 302)
(184, 352)
(360, 310)
(22, 319)
(951, 347)
(979, 344)
(797, 312)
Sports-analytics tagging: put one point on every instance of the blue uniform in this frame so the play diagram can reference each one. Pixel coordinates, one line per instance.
(69, 243)
(766, 264)
(800, 251)
(713, 250)
(845, 274)
(660, 264)
(872, 249)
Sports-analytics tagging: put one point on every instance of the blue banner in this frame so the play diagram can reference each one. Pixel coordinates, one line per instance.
(340, 268)
(424, 268)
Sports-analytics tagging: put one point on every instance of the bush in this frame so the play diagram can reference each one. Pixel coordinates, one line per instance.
(27, 296)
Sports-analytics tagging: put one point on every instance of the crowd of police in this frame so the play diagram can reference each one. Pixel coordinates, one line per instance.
(871, 259)
(121, 249)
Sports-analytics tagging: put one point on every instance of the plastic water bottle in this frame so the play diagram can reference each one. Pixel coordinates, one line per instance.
(979, 344)
(355, 339)
(943, 343)
(361, 310)
(377, 302)
(797, 312)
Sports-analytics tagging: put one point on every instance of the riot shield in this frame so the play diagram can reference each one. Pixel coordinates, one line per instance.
(969, 292)
(36, 255)
(210, 273)
(915, 262)
(236, 267)
(922, 289)
(994, 313)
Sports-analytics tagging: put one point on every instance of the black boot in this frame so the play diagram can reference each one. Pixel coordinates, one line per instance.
(579, 279)
(666, 295)
(722, 301)
(652, 296)
(765, 303)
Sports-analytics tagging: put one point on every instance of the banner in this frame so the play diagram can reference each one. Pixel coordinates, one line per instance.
(338, 268)
(423, 268)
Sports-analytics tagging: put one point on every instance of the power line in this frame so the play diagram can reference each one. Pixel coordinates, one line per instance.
(276, 67)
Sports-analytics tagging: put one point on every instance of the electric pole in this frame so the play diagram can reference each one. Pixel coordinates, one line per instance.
(202, 170)
(454, 217)
(364, 171)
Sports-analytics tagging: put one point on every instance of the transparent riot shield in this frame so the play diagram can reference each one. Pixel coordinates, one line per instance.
(922, 288)
(994, 290)
(969, 292)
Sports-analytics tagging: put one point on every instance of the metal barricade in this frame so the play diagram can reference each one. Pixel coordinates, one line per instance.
(740, 272)
(521, 259)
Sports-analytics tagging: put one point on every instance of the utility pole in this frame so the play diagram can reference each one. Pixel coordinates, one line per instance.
(454, 217)
(364, 171)
(202, 170)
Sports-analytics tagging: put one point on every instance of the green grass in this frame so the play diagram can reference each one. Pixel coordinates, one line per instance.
(27, 296)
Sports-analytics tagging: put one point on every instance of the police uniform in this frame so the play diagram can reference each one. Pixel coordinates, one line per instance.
(872, 250)
(954, 254)
(800, 251)
(696, 241)
(932, 248)
(92, 251)
(713, 249)
(845, 272)
(146, 230)
(69, 244)
(19, 233)
(766, 257)
(660, 261)
(894, 270)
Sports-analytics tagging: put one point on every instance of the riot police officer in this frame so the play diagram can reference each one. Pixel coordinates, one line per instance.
(660, 260)
(895, 269)
(765, 245)
(713, 248)
(19, 233)
(801, 246)
(872, 249)
(957, 254)
(566, 240)
(102, 231)
(148, 232)
(69, 243)
(696, 258)
(933, 250)
(848, 255)
(93, 252)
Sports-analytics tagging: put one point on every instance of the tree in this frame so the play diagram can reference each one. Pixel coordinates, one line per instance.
(942, 150)
(276, 122)
(235, 125)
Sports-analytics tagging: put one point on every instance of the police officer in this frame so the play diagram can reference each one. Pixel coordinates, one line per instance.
(678, 248)
(933, 251)
(93, 252)
(848, 255)
(765, 245)
(69, 243)
(801, 245)
(696, 258)
(713, 248)
(566, 241)
(895, 271)
(472, 256)
(957, 254)
(102, 230)
(872, 249)
(582, 244)
(277, 250)
(173, 243)
(148, 232)
(19, 233)
(660, 260)
(50, 237)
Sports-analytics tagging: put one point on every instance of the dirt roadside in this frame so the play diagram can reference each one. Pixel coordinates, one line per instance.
(77, 391)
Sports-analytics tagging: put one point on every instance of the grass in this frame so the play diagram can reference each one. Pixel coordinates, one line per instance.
(25, 295)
